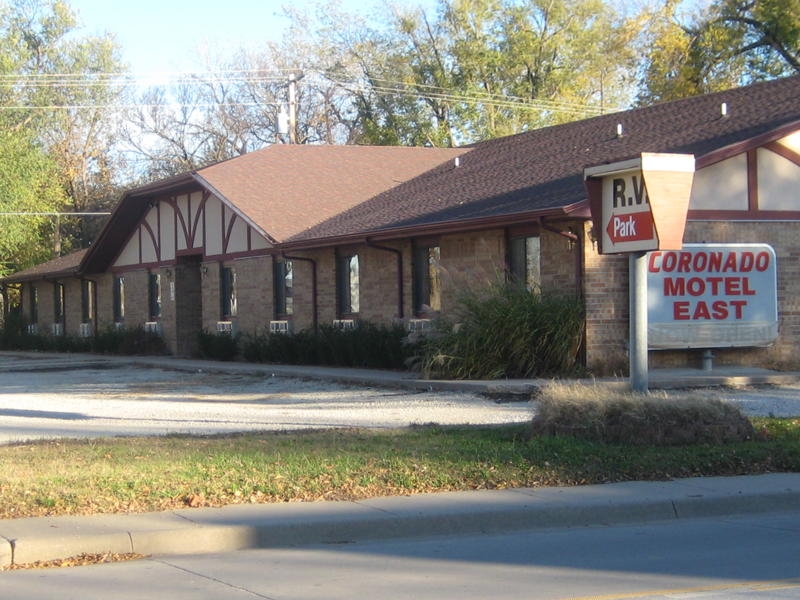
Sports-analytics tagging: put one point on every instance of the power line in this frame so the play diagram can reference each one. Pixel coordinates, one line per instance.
(384, 86)
(54, 214)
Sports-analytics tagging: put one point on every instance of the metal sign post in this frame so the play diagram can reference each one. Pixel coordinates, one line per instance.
(637, 286)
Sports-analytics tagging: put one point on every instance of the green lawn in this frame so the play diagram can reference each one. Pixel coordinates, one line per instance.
(147, 474)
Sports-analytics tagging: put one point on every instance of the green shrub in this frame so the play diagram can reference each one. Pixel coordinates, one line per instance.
(507, 332)
(366, 345)
(14, 336)
(637, 419)
(218, 346)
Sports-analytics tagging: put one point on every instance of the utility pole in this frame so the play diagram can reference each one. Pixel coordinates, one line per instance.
(293, 79)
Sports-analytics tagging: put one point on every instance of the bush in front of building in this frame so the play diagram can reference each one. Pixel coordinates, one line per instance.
(506, 332)
(218, 346)
(134, 341)
(129, 342)
(366, 345)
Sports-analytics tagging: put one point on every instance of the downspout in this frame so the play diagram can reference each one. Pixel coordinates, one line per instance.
(399, 254)
(314, 302)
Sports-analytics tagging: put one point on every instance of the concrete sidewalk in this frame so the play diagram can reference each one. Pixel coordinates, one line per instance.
(204, 530)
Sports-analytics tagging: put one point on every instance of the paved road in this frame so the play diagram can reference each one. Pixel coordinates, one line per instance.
(721, 558)
(91, 402)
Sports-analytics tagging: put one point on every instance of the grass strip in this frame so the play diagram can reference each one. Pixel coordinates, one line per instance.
(152, 474)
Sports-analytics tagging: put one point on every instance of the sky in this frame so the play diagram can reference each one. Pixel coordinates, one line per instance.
(158, 36)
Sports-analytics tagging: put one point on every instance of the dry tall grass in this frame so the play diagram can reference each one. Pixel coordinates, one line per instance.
(604, 413)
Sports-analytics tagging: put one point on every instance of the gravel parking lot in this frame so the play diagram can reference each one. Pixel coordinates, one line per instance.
(74, 397)
(137, 401)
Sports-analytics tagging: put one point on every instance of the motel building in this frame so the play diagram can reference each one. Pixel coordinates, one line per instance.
(290, 237)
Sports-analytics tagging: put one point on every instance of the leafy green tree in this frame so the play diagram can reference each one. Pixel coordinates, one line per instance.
(484, 68)
(65, 89)
(764, 33)
(28, 184)
(733, 42)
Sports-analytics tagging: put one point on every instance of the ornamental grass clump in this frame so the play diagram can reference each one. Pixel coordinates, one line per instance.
(508, 332)
(616, 417)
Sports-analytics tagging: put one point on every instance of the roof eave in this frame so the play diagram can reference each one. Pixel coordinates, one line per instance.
(48, 275)
(731, 150)
(577, 210)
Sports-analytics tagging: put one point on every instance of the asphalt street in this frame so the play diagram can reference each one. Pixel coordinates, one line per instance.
(712, 559)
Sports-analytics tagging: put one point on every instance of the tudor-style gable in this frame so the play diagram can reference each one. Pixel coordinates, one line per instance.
(757, 183)
(189, 223)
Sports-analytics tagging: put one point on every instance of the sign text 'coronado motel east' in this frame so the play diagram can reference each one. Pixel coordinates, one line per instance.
(712, 296)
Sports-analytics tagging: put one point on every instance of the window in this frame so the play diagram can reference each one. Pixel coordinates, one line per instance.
(87, 300)
(524, 256)
(427, 283)
(227, 290)
(347, 284)
(154, 296)
(58, 303)
(284, 279)
(34, 305)
(119, 299)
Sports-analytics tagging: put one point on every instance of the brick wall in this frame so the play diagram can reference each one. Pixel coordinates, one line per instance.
(560, 257)
(254, 293)
(105, 300)
(605, 290)
(137, 310)
(470, 262)
(211, 298)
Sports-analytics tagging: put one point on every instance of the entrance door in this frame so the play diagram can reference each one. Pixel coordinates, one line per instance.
(188, 305)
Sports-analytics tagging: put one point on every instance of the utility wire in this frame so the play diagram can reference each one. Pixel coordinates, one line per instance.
(255, 76)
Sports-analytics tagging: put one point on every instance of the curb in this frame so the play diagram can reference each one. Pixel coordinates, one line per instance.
(240, 527)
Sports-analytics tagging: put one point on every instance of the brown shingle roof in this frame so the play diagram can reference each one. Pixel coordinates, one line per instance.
(282, 190)
(63, 266)
(286, 189)
(542, 171)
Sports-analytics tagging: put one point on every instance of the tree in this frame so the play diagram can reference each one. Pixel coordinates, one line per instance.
(765, 33)
(65, 88)
(733, 42)
(28, 184)
(482, 68)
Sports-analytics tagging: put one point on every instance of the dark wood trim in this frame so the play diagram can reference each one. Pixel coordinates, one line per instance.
(781, 150)
(732, 150)
(743, 215)
(752, 180)
(237, 255)
(226, 240)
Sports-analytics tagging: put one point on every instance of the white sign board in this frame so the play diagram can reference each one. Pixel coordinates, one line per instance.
(628, 221)
(712, 296)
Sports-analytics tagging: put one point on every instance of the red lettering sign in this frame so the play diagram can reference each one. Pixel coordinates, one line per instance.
(631, 227)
